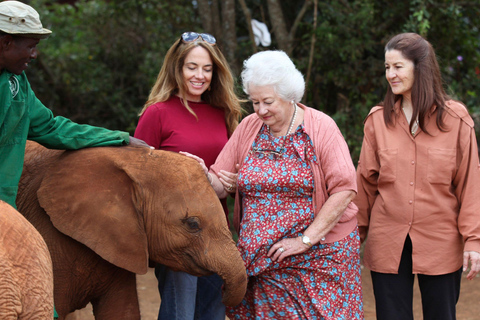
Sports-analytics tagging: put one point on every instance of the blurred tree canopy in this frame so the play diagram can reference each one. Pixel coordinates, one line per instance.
(104, 56)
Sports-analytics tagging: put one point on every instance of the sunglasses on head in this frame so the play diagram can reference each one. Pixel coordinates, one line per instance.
(192, 36)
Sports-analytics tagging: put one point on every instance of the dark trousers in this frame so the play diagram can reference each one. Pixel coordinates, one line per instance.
(394, 292)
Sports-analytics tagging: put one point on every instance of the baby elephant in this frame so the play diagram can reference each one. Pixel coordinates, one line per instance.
(26, 278)
(106, 212)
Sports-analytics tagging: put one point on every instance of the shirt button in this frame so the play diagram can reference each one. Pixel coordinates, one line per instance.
(410, 201)
(413, 162)
(410, 224)
(411, 183)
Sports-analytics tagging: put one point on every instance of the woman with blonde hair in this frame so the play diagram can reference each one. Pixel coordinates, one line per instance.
(193, 108)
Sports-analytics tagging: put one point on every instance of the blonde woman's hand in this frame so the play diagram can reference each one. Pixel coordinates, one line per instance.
(200, 160)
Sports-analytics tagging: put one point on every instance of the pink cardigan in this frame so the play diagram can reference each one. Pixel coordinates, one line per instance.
(334, 171)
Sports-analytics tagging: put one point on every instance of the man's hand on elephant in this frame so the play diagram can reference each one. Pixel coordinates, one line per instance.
(137, 143)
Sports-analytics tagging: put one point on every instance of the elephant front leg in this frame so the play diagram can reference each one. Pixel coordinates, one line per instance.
(120, 302)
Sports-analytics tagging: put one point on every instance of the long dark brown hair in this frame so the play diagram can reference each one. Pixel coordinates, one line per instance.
(427, 89)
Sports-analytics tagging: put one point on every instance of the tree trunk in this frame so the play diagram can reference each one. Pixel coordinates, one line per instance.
(217, 29)
(248, 17)
(205, 13)
(279, 26)
(312, 45)
(229, 34)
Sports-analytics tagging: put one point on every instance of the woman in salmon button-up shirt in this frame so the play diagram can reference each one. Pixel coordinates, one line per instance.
(418, 187)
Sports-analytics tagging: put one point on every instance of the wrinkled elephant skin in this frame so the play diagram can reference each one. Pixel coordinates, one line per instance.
(106, 212)
(26, 278)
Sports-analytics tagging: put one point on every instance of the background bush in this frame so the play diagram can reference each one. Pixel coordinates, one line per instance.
(104, 56)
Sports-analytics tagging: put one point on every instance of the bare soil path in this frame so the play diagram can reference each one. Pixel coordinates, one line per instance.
(468, 307)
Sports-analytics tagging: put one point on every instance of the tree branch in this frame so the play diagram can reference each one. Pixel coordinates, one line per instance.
(248, 17)
(312, 44)
(298, 19)
(229, 32)
(279, 26)
(205, 15)
(216, 23)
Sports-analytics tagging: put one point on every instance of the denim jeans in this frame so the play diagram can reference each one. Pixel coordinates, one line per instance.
(187, 297)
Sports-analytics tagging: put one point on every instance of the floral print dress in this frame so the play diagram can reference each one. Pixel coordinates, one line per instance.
(276, 185)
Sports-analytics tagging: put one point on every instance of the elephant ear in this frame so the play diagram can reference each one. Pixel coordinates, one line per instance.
(90, 197)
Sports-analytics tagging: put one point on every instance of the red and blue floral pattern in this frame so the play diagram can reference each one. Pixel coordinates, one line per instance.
(276, 184)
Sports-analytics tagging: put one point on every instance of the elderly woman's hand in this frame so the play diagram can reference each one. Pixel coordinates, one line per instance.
(474, 258)
(229, 180)
(287, 247)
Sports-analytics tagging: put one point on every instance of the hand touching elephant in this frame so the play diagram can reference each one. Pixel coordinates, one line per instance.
(26, 279)
(105, 212)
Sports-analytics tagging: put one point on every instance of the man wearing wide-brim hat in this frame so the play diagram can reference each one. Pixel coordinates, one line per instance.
(22, 115)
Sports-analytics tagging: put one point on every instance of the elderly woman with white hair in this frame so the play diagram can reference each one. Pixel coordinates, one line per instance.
(297, 226)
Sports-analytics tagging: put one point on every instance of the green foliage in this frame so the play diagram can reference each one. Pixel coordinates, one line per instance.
(348, 72)
(456, 38)
(103, 56)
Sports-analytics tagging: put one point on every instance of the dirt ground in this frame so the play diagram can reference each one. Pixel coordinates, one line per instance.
(468, 307)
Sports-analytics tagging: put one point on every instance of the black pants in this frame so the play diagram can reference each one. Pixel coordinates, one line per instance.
(394, 292)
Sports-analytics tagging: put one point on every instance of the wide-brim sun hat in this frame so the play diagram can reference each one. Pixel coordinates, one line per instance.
(20, 19)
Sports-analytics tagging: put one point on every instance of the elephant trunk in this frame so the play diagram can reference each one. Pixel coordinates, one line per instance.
(234, 278)
(235, 291)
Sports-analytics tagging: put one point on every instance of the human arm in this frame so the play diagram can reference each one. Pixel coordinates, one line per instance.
(325, 220)
(62, 133)
(138, 143)
(367, 175)
(334, 179)
(467, 187)
(223, 184)
(367, 178)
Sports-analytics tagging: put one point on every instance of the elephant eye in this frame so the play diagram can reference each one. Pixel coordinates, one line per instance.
(192, 223)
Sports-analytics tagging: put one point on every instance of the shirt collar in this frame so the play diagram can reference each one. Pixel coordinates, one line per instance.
(398, 108)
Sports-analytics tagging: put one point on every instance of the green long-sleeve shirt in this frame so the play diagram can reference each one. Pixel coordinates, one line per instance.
(23, 116)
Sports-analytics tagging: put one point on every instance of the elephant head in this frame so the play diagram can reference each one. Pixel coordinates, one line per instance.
(135, 205)
(26, 279)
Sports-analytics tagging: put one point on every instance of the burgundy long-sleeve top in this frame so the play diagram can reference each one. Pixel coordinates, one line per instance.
(170, 126)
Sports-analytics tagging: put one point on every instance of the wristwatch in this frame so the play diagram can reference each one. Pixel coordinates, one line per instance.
(306, 240)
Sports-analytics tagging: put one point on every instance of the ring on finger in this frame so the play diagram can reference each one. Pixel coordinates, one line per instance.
(230, 187)
(281, 249)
